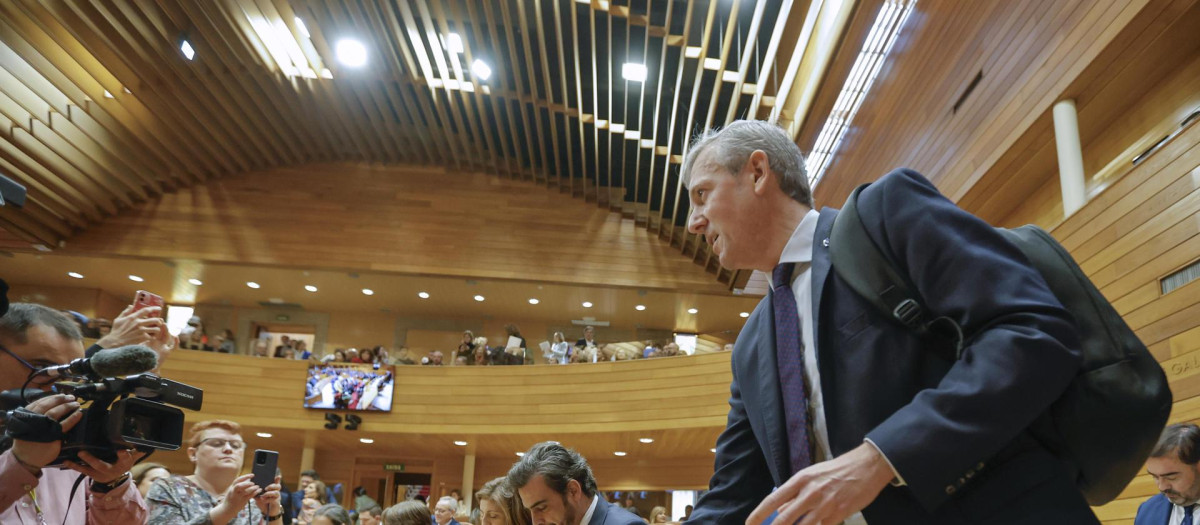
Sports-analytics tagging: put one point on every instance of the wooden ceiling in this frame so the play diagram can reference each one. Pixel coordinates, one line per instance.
(102, 111)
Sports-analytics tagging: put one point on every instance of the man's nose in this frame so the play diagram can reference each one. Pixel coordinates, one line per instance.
(696, 223)
(1162, 485)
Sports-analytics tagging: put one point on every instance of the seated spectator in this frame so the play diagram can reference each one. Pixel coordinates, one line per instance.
(556, 484)
(1175, 466)
(444, 511)
(404, 357)
(650, 350)
(331, 514)
(658, 515)
(433, 359)
(217, 449)
(301, 352)
(372, 515)
(408, 513)
(461, 361)
(226, 343)
(262, 348)
(314, 498)
(499, 504)
(145, 474)
(367, 356)
(284, 349)
(589, 338)
(381, 355)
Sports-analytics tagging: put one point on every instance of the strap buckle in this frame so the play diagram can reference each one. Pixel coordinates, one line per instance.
(908, 312)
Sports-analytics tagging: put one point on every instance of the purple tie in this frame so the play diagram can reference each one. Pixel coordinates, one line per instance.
(789, 350)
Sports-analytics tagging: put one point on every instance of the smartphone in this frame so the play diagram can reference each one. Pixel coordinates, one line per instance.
(145, 299)
(265, 462)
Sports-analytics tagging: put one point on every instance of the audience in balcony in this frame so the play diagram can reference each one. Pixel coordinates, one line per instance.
(560, 350)
(226, 343)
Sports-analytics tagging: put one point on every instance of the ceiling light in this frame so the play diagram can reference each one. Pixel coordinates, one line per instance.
(646, 440)
(587, 304)
(368, 291)
(619, 453)
(693, 311)
(351, 52)
(744, 315)
(481, 70)
(634, 72)
(136, 278)
(186, 47)
(862, 75)
(461, 443)
(713, 450)
(263, 434)
(520, 454)
(640, 307)
(366, 440)
(479, 298)
(76, 275)
(533, 301)
(195, 282)
(253, 284)
(303, 28)
(310, 287)
(107, 94)
(454, 43)
(423, 295)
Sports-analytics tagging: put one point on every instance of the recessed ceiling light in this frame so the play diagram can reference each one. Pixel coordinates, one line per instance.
(520, 454)
(713, 450)
(263, 434)
(423, 295)
(303, 28)
(744, 314)
(186, 47)
(646, 440)
(640, 307)
(310, 287)
(479, 298)
(76, 275)
(366, 440)
(533, 301)
(587, 304)
(107, 94)
(619, 453)
(693, 311)
(136, 278)
(481, 69)
(461, 443)
(196, 282)
(351, 52)
(368, 291)
(454, 43)
(253, 284)
(634, 72)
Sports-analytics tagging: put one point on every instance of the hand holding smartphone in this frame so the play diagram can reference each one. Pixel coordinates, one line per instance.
(265, 463)
(144, 299)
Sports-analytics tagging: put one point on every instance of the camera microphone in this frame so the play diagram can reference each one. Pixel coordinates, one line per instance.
(115, 362)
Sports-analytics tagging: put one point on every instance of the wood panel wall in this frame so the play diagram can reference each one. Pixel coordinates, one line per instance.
(412, 220)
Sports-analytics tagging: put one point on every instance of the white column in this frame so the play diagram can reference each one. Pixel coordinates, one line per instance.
(1070, 156)
(309, 455)
(467, 490)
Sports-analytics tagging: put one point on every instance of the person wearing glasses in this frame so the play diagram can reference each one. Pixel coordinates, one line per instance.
(33, 337)
(214, 493)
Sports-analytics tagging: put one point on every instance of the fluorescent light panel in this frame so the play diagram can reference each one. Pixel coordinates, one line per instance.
(634, 72)
(186, 47)
(351, 52)
(862, 75)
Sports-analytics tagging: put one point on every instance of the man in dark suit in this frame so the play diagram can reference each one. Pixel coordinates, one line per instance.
(839, 409)
(556, 485)
(1175, 466)
(444, 511)
(589, 337)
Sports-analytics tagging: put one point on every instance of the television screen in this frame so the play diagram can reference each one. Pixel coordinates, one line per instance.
(349, 386)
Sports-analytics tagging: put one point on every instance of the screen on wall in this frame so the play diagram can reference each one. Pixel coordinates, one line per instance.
(347, 386)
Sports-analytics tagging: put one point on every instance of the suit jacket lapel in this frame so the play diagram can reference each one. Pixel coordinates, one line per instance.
(821, 270)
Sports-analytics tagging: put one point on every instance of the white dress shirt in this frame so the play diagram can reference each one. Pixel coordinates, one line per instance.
(587, 517)
(1177, 515)
(799, 250)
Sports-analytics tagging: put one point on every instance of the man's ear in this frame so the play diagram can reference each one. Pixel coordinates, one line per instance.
(574, 489)
(759, 167)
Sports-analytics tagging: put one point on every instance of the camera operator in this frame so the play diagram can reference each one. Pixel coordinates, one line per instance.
(33, 337)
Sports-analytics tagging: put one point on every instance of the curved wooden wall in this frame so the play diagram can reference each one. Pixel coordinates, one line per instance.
(644, 395)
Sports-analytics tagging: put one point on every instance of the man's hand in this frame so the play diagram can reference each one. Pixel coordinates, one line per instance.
(133, 327)
(830, 491)
(102, 471)
(59, 407)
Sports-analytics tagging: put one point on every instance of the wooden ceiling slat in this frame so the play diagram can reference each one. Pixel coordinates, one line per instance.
(40, 194)
(582, 184)
(412, 30)
(636, 147)
(746, 59)
(407, 91)
(464, 107)
(499, 102)
(597, 151)
(478, 115)
(532, 147)
(378, 111)
(559, 171)
(37, 174)
(496, 144)
(47, 158)
(654, 217)
(436, 44)
(782, 20)
(548, 169)
(664, 222)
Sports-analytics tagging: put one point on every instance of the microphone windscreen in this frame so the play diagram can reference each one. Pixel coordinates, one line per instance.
(124, 361)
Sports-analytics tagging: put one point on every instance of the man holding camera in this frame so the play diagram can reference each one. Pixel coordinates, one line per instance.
(34, 337)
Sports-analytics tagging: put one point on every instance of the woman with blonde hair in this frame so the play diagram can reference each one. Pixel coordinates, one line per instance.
(559, 350)
(659, 515)
(499, 504)
(407, 513)
(314, 498)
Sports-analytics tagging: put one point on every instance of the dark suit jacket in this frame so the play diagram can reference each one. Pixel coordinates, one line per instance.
(609, 514)
(955, 431)
(1154, 511)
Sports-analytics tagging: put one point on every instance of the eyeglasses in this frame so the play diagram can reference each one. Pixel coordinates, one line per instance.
(235, 444)
(38, 381)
